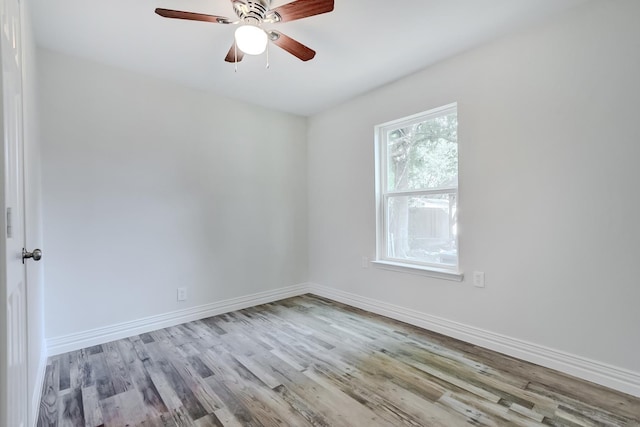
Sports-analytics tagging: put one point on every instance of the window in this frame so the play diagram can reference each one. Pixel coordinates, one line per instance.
(417, 191)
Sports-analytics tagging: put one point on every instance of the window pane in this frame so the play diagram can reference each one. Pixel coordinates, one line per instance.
(423, 155)
(423, 228)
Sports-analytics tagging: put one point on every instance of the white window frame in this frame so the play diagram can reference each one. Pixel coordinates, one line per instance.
(382, 196)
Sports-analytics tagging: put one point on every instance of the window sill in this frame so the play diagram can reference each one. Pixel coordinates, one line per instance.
(419, 270)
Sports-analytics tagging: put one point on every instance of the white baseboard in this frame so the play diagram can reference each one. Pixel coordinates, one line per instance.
(37, 391)
(76, 341)
(590, 370)
(600, 373)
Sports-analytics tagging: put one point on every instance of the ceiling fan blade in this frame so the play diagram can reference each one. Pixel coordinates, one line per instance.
(231, 56)
(301, 9)
(292, 46)
(192, 16)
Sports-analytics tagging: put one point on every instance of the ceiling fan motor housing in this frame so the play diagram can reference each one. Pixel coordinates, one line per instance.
(251, 11)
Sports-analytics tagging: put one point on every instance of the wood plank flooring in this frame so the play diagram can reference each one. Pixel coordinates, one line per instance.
(307, 361)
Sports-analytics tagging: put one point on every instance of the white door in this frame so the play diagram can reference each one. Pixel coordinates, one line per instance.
(14, 382)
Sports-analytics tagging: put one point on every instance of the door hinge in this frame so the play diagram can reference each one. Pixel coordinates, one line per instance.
(9, 224)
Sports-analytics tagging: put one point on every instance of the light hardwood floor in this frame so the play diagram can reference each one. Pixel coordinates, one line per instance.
(307, 361)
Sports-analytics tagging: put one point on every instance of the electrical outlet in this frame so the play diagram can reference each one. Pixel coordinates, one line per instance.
(478, 279)
(182, 294)
(365, 262)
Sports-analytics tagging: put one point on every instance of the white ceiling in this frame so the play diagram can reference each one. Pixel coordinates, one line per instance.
(361, 45)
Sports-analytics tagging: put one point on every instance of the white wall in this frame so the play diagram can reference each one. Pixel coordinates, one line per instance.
(549, 200)
(149, 186)
(33, 215)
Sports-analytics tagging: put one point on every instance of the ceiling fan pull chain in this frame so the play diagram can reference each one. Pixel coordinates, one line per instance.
(267, 56)
(235, 49)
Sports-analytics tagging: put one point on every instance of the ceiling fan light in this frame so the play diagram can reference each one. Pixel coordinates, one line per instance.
(251, 40)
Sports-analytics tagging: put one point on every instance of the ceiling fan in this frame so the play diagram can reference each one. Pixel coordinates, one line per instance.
(250, 37)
